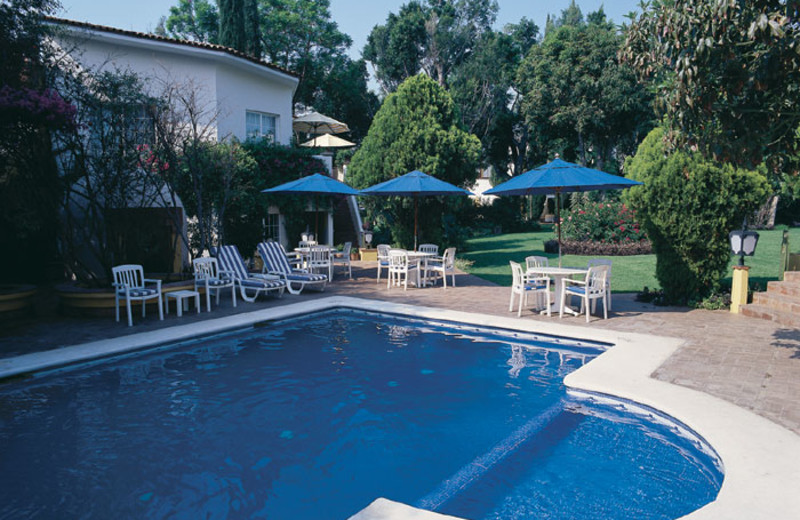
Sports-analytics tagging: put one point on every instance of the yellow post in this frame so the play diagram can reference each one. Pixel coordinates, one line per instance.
(740, 286)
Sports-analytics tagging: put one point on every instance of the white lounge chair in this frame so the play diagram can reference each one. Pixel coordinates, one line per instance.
(231, 260)
(208, 275)
(343, 258)
(129, 283)
(590, 289)
(521, 285)
(276, 262)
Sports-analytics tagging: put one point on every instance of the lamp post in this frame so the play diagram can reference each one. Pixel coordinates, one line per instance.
(743, 243)
(367, 238)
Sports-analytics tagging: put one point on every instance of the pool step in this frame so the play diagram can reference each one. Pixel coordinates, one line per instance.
(780, 303)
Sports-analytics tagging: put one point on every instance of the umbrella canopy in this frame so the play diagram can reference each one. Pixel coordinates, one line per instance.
(328, 141)
(414, 184)
(316, 123)
(316, 184)
(560, 177)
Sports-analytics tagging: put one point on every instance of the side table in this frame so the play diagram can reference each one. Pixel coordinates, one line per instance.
(180, 297)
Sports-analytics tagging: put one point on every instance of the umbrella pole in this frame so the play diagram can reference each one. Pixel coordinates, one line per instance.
(558, 223)
(316, 220)
(415, 223)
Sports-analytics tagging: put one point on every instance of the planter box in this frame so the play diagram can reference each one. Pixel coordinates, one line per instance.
(81, 301)
(15, 299)
(368, 255)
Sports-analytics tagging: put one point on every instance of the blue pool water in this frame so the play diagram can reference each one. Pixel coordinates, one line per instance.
(314, 418)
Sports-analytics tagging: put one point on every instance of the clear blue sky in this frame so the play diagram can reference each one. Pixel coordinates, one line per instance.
(355, 17)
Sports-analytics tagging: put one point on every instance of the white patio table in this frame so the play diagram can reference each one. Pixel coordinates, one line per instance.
(557, 274)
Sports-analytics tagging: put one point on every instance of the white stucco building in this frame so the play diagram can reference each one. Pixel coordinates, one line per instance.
(248, 96)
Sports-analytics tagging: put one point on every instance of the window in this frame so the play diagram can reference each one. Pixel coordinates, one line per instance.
(272, 227)
(260, 125)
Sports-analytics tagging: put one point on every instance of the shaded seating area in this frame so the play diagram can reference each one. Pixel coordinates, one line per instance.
(209, 276)
(231, 260)
(400, 266)
(130, 284)
(276, 262)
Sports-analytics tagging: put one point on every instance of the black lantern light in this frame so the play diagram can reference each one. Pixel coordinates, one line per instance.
(743, 242)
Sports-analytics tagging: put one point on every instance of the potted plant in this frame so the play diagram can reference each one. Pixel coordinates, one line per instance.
(354, 253)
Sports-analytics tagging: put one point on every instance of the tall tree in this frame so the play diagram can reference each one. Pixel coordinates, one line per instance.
(434, 36)
(239, 27)
(578, 99)
(196, 20)
(416, 128)
(727, 74)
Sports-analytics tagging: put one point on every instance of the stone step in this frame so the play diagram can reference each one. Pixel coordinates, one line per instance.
(777, 301)
(791, 276)
(786, 288)
(786, 319)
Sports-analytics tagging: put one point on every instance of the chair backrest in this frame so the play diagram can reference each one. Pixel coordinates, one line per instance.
(319, 255)
(596, 279)
(516, 274)
(306, 243)
(429, 248)
(600, 261)
(398, 259)
(205, 268)
(449, 258)
(274, 257)
(383, 251)
(130, 275)
(231, 260)
(536, 261)
(346, 249)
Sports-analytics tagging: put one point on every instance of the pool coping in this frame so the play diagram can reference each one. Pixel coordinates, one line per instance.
(759, 456)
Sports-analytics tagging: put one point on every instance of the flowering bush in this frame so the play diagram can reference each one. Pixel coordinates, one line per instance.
(605, 222)
(45, 107)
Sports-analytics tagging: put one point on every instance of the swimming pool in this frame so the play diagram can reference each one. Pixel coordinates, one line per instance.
(314, 418)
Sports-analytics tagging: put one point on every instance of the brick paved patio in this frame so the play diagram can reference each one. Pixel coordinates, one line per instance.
(752, 363)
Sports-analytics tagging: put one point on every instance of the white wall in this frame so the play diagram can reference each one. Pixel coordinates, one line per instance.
(226, 85)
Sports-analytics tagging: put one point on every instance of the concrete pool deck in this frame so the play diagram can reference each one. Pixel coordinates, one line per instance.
(739, 365)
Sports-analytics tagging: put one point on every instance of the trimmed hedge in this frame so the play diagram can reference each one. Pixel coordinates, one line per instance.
(576, 247)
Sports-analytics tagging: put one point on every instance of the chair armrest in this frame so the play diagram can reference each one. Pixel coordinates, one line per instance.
(153, 280)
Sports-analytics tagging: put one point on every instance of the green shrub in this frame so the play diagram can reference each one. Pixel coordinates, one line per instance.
(688, 205)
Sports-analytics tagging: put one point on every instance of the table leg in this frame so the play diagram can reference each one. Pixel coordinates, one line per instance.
(179, 304)
(197, 302)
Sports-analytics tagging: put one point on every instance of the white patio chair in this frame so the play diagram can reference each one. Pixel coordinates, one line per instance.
(442, 266)
(208, 275)
(383, 259)
(231, 260)
(319, 260)
(428, 248)
(536, 261)
(590, 289)
(277, 262)
(129, 283)
(522, 285)
(343, 258)
(399, 268)
(602, 261)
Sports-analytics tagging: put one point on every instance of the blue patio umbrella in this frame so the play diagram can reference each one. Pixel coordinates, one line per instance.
(316, 184)
(559, 177)
(414, 184)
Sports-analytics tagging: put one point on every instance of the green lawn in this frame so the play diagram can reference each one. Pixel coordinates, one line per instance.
(631, 273)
